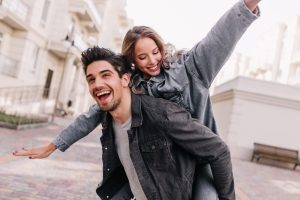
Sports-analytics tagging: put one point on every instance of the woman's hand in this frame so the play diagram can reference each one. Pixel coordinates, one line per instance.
(36, 152)
(252, 4)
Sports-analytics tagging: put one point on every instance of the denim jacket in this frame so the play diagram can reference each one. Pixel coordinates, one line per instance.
(165, 145)
(188, 79)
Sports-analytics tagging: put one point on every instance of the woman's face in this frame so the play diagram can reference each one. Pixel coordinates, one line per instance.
(147, 57)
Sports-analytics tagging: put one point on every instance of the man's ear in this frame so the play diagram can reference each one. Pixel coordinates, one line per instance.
(125, 79)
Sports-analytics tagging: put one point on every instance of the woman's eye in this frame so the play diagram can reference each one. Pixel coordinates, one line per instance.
(142, 58)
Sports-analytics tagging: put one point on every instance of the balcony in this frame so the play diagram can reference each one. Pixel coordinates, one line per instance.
(87, 14)
(123, 19)
(63, 49)
(8, 66)
(80, 43)
(14, 13)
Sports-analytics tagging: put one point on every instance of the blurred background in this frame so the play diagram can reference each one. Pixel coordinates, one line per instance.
(256, 96)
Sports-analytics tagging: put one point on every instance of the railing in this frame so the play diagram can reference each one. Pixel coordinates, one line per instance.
(19, 95)
(17, 7)
(22, 107)
(9, 66)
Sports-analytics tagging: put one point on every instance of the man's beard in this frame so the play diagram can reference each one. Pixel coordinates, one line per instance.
(112, 107)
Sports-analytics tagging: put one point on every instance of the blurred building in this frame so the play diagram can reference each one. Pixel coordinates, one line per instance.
(40, 46)
(257, 99)
(276, 57)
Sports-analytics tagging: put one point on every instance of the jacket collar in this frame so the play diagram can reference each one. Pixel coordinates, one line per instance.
(136, 112)
(137, 78)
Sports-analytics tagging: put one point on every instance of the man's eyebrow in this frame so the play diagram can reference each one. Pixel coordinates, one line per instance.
(88, 76)
(101, 72)
(106, 70)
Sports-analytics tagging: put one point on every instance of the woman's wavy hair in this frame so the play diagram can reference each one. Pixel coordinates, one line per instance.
(168, 51)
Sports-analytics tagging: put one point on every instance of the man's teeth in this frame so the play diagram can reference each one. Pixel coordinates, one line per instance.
(102, 93)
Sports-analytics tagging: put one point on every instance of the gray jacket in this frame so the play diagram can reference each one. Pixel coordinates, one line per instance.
(188, 79)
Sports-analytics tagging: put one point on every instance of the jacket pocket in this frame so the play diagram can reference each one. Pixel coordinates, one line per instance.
(156, 154)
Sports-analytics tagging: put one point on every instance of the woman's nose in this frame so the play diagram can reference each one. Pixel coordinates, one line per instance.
(152, 59)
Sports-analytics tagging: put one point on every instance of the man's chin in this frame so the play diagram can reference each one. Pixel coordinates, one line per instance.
(106, 108)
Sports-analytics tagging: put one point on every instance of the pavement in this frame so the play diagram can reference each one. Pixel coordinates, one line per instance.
(74, 174)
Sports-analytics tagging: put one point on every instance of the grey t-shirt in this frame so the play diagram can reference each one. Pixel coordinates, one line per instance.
(122, 146)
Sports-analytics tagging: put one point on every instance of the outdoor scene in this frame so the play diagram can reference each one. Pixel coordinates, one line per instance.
(255, 94)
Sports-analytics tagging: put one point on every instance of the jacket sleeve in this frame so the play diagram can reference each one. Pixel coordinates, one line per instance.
(204, 145)
(208, 56)
(79, 128)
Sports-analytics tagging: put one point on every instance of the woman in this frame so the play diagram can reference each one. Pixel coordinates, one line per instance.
(183, 78)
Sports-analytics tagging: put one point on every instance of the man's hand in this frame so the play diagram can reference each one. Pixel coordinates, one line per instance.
(36, 152)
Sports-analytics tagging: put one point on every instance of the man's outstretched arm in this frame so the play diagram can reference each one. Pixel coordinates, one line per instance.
(79, 128)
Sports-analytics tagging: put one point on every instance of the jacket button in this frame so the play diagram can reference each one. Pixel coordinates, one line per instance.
(108, 169)
(107, 197)
(105, 148)
(153, 147)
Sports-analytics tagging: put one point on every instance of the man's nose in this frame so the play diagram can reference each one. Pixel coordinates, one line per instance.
(99, 82)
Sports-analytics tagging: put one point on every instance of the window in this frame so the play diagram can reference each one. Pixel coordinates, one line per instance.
(48, 84)
(45, 12)
(35, 56)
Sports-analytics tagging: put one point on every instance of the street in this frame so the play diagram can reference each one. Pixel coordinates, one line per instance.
(74, 174)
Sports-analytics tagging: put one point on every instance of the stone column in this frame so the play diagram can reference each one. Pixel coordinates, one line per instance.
(76, 86)
(65, 84)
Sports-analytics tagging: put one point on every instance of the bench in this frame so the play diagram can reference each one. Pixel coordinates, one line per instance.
(275, 153)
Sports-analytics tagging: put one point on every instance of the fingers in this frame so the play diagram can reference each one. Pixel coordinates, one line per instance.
(36, 152)
(31, 153)
(38, 156)
(22, 152)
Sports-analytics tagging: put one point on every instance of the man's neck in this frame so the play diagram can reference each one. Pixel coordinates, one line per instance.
(123, 112)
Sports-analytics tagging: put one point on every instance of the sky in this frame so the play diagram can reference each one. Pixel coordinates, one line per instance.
(184, 23)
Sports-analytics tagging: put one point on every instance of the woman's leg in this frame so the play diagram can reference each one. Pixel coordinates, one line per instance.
(203, 187)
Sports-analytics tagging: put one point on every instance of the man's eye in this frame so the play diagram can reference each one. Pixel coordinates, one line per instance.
(106, 75)
(91, 80)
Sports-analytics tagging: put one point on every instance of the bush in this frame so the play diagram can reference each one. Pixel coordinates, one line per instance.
(15, 119)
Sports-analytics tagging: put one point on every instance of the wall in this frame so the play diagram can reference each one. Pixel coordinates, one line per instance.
(249, 110)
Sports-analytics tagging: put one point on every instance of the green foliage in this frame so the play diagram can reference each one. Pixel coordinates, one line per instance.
(15, 119)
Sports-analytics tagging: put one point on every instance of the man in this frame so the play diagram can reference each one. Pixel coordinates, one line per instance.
(150, 144)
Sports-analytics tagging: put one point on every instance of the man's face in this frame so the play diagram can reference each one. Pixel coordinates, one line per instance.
(105, 85)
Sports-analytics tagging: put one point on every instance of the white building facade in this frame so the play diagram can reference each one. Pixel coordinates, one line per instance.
(249, 110)
(40, 46)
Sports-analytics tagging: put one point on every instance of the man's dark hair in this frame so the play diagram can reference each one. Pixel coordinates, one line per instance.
(97, 53)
